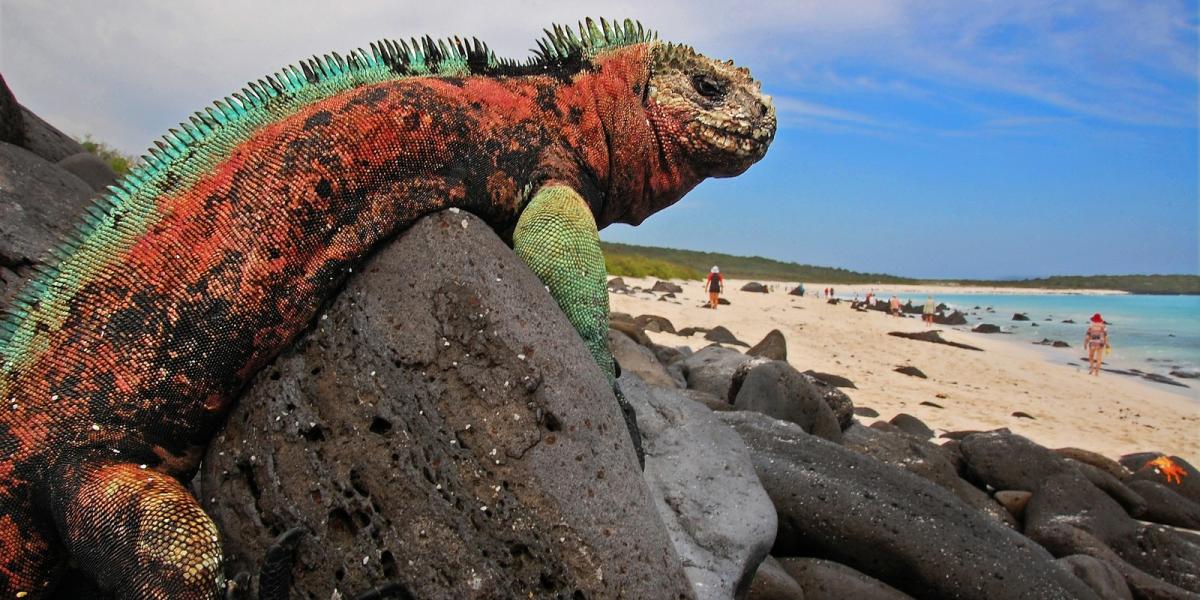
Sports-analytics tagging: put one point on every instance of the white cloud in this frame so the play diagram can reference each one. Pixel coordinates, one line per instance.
(127, 71)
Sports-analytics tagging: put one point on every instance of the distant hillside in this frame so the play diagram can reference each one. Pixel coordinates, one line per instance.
(620, 256)
(669, 263)
(1135, 284)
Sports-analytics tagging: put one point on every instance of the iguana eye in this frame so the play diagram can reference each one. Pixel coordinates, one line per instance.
(708, 86)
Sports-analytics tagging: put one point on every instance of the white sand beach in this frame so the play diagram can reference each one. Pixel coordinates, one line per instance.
(1111, 414)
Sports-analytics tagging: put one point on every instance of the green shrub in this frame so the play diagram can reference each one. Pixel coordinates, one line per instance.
(120, 163)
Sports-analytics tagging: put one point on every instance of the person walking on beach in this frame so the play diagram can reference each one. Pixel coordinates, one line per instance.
(1095, 339)
(927, 313)
(715, 284)
(894, 306)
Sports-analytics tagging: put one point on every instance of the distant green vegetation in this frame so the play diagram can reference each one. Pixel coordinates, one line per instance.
(634, 265)
(667, 263)
(1134, 284)
(120, 163)
(736, 267)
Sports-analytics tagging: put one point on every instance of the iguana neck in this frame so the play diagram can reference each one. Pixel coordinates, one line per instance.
(633, 167)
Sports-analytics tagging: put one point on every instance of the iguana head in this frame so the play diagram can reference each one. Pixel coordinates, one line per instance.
(712, 110)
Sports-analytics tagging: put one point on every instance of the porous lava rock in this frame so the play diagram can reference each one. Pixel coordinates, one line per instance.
(441, 427)
(890, 524)
(700, 473)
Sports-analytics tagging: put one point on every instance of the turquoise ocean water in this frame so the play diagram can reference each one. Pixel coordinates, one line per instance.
(1156, 334)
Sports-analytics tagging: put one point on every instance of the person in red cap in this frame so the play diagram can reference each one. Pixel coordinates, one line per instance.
(1095, 339)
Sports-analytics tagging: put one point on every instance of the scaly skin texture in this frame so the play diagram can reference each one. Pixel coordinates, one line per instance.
(118, 365)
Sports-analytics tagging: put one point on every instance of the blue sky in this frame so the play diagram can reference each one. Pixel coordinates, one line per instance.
(931, 138)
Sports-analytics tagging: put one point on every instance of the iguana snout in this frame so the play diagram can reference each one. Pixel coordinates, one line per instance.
(724, 122)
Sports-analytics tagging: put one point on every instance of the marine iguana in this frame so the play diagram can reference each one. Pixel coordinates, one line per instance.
(119, 362)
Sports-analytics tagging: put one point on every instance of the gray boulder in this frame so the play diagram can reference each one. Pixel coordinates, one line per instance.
(838, 401)
(45, 140)
(39, 203)
(12, 122)
(654, 323)
(635, 358)
(891, 524)
(912, 425)
(711, 370)
(1068, 516)
(754, 286)
(91, 169)
(1102, 577)
(1010, 462)
(772, 346)
(771, 582)
(1163, 505)
(828, 580)
(666, 287)
(700, 473)
(777, 389)
(463, 446)
(924, 460)
(723, 336)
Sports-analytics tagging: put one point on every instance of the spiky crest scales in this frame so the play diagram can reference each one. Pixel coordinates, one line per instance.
(118, 217)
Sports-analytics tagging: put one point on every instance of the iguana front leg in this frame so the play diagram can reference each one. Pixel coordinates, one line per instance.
(556, 236)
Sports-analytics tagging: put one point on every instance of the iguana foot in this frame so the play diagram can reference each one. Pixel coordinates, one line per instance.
(630, 415)
(275, 577)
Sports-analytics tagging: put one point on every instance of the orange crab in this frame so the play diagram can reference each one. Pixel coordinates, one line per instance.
(1173, 472)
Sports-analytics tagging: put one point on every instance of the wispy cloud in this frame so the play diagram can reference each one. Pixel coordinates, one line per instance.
(127, 71)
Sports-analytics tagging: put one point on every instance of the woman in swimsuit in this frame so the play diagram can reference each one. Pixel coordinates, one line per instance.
(1095, 339)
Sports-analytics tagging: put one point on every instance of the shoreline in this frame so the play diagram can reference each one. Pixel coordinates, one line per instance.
(1112, 414)
(880, 288)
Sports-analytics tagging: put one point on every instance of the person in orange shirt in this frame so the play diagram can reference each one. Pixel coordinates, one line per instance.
(715, 284)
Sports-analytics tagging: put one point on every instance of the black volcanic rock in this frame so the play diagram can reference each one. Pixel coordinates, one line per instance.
(654, 323)
(912, 425)
(933, 337)
(1020, 317)
(777, 389)
(830, 580)
(617, 284)
(890, 524)
(1172, 471)
(830, 379)
(39, 202)
(754, 286)
(1102, 577)
(467, 442)
(666, 287)
(986, 328)
(923, 459)
(711, 370)
(911, 371)
(723, 336)
(771, 582)
(772, 346)
(1165, 506)
(954, 318)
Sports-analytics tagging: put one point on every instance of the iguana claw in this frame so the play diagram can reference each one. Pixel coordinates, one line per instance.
(275, 578)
